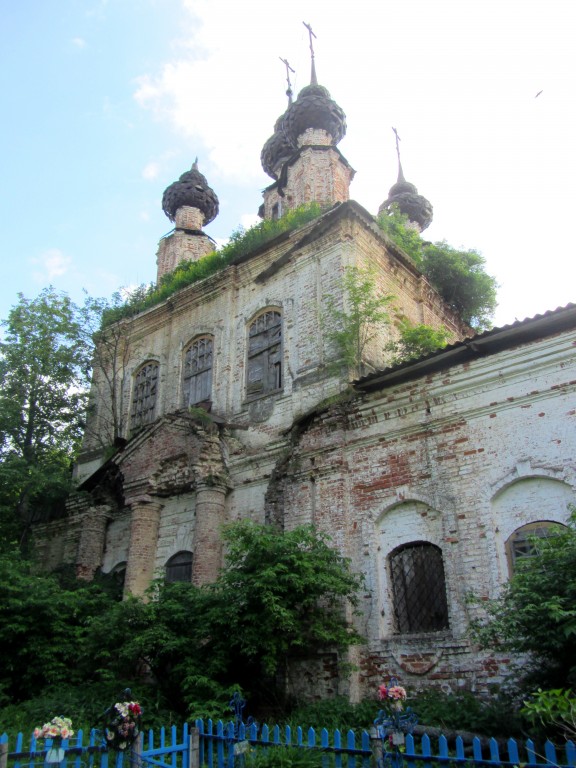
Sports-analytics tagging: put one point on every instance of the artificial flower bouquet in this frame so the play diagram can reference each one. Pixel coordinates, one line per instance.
(57, 728)
(123, 727)
(394, 719)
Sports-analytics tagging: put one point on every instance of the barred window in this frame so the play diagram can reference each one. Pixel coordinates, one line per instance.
(144, 396)
(179, 567)
(419, 588)
(524, 541)
(265, 354)
(198, 371)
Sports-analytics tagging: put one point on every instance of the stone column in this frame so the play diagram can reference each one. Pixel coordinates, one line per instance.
(210, 516)
(92, 541)
(144, 526)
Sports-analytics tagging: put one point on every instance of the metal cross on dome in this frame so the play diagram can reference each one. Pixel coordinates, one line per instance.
(398, 139)
(288, 70)
(311, 34)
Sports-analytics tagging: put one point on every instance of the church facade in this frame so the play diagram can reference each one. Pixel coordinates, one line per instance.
(226, 402)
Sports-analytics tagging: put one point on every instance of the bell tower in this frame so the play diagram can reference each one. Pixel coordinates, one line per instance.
(302, 156)
(191, 204)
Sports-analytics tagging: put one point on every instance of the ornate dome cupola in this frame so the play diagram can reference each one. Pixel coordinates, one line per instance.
(405, 195)
(190, 191)
(190, 203)
(277, 150)
(302, 153)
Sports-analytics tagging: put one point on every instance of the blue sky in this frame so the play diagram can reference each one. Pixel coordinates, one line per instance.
(106, 102)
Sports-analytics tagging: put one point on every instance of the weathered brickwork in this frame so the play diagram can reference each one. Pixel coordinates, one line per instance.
(448, 456)
(460, 458)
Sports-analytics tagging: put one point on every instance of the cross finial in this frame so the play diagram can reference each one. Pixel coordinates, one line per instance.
(398, 140)
(288, 70)
(313, 80)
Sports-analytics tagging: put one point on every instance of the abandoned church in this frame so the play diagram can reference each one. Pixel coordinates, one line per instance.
(227, 401)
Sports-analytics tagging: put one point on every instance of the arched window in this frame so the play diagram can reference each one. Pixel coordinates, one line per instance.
(179, 567)
(419, 588)
(265, 354)
(144, 396)
(524, 541)
(198, 356)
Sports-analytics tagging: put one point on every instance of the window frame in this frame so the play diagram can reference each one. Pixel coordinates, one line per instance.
(143, 416)
(186, 564)
(265, 352)
(199, 376)
(521, 535)
(407, 597)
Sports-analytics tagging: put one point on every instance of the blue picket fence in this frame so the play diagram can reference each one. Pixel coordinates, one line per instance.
(223, 745)
(165, 749)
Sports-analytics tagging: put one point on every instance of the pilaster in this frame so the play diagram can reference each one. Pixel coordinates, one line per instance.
(144, 526)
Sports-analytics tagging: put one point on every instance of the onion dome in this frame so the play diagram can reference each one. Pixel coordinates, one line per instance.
(192, 190)
(276, 151)
(405, 195)
(314, 109)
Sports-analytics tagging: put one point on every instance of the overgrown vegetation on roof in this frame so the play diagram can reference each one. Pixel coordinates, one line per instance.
(241, 243)
(458, 275)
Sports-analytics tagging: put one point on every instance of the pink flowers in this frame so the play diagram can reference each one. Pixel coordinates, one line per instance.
(57, 728)
(394, 692)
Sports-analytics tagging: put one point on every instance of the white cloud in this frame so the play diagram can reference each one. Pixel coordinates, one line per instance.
(78, 42)
(248, 220)
(457, 80)
(151, 170)
(53, 263)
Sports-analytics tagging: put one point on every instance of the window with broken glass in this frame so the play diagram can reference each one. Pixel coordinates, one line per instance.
(419, 588)
(198, 360)
(144, 396)
(265, 354)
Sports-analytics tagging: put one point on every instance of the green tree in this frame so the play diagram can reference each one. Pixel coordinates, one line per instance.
(279, 596)
(357, 319)
(461, 280)
(536, 613)
(417, 340)
(44, 367)
(43, 629)
(459, 276)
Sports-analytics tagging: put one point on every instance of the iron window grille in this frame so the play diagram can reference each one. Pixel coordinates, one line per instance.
(419, 588)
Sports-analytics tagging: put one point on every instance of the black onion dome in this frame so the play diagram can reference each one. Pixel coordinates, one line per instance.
(402, 187)
(191, 189)
(416, 207)
(276, 150)
(314, 109)
(405, 195)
